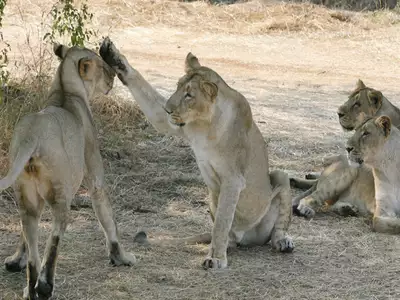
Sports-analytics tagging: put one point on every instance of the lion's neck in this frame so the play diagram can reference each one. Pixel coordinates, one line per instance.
(67, 91)
(390, 110)
(387, 163)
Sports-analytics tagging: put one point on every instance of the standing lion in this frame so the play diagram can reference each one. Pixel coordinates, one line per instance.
(51, 153)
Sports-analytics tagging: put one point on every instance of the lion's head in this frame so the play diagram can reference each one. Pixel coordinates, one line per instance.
(96, 74)
(366, 142)
(195, 95)
(363, 102)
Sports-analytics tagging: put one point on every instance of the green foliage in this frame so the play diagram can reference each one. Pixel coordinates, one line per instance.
(70, 21)
(4, 74)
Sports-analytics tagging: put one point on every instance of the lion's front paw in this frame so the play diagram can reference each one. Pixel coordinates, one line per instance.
(215, 263)
(285, 245)
(305, 211)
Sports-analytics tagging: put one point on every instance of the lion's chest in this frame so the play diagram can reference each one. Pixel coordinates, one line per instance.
(387, 195)
(207, 160)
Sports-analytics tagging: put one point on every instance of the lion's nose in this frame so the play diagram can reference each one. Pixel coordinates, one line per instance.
(349, 149)
(341, 115)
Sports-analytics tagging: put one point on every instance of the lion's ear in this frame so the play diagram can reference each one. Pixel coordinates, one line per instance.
(209, 88)
(191, 62)
(360, 85)
(375, 98)
(385, 123)
(87, 68)
(60, 50)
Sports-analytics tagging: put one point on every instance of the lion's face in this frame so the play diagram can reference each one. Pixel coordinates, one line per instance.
(96, 74)
(368, 139)
(363, 102)
(193, 99)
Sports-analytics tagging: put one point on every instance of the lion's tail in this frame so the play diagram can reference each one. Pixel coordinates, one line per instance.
(203, 238)
(296, 200)
(24, 154)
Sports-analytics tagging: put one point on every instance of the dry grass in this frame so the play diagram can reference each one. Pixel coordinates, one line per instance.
(254, 17)
(247, 17)
(155, 184)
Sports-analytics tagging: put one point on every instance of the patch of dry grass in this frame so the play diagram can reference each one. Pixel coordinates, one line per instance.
(154, 183)
(252, 17)
(249, 17)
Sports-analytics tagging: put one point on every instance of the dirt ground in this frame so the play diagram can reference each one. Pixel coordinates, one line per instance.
(294, 76)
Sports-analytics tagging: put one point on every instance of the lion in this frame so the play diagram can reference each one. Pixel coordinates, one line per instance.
(375, 144)
(347, 191)
(248, 205)
(51, 153)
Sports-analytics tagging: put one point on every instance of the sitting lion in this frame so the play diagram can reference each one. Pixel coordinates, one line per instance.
(347, 191)
(51, 153)
(376, 143)
(248, 205)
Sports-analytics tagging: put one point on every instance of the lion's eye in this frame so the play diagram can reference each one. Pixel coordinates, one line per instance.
(188, 96)
(357, 104)
(366, 133)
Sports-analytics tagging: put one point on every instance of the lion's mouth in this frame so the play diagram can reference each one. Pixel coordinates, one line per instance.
(177, 123)
(359, 161)
(180, 124)
(347, 128)
(355, 161)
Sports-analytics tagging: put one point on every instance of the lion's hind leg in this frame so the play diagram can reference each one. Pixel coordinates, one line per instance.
(17, 262)
(329, 187)
(60, 201)
(30, 207)
(279, 238)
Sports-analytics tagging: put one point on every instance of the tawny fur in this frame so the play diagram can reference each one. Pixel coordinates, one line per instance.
(248, 205)
(346, 190)
(51, 153)
(376, 144)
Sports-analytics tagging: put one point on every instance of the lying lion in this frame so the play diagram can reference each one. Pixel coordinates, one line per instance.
(347, 191)
(248, 205)
(51, 153)
(376, 143)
